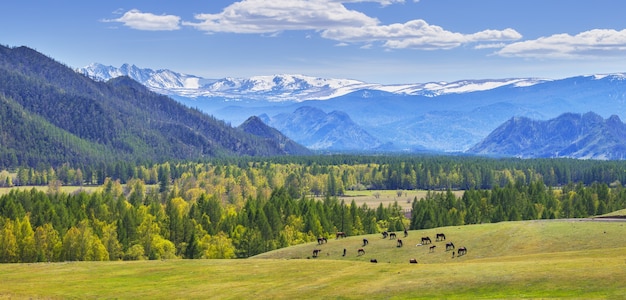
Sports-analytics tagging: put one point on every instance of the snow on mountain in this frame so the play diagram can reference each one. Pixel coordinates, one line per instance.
(284, 87)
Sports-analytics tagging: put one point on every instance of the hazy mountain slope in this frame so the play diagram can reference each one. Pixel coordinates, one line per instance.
(569, 135)
(316, 129)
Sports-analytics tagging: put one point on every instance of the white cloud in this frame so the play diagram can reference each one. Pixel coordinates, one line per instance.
(416, 34)
(592, 43)
(336, 22)
(261, 16)
(146, 21)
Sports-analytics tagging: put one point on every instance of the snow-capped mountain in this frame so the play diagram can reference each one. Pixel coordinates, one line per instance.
(283, 87)
(438, 116)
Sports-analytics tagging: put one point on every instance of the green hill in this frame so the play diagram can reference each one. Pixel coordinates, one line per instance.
(511, 260)
(483, 241)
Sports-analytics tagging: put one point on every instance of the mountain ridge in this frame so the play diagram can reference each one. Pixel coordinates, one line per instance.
(52, 115)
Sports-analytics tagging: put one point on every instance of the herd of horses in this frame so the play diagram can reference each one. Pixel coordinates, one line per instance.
(439, 237)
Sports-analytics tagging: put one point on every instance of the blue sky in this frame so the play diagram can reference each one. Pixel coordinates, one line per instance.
(378, 41)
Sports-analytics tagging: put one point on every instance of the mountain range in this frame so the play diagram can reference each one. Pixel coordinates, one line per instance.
(437, 116)
(51, 115)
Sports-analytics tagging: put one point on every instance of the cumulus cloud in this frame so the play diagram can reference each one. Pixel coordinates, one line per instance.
(416, 34)
(261, 16)
(592, 43)
(336, 22)
(146, 21)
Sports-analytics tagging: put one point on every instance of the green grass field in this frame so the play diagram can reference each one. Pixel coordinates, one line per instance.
(373, 198)
(512, 260)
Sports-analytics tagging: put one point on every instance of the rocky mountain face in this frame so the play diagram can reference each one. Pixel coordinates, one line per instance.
(586, 136)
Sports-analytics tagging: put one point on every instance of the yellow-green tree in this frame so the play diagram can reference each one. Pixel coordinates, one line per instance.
(48, 243)
(8, 242)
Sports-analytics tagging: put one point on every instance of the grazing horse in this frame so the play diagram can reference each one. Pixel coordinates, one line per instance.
(392, 235)
(461, 251)
(413, 261)
(426, 240)
(440, 237)
(406, 233)
(316, 252)
(322, 240)
(341, 234)
(432, 248)
(385, 234)
(399, 244)
(373, 260)
(365, 242)
(344, 252)
(449, 246)
(361, 251)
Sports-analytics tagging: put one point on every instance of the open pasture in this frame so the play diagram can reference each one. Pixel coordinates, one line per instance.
(373, 198)
(513, 260)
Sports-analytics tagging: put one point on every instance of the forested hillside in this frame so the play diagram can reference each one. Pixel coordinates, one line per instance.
(240, 208)
(51, 115)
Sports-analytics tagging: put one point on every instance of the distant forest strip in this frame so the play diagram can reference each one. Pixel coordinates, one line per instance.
(243, 207)
(333, 174)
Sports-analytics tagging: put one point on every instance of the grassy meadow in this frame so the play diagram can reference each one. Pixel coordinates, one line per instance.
(373, 198)
(511, 260)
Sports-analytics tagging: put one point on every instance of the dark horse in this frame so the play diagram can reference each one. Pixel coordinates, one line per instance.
(432, 248)
(316, 252)
(322, 240)
(449, 246)
(399, 244)
(373, 260)
(361, 251)
(392, 235)
(461, 251)
(365, 242)
(341, 234)
(426, 240)
(413, 261)
(440, 237)
(385, 234)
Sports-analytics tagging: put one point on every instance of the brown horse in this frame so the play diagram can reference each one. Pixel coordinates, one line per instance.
(440, 237)
(449, 246)
(341, 234)
(413, 261)
(461, 251)
(432, 248)
(399, 244)
(361, 251)
(365, 242)
(392, 235)
(373, 260)
(322, 240)
(426, 240)
(385, 234)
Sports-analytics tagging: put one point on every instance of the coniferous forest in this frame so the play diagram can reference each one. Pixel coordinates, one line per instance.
(240, 207)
